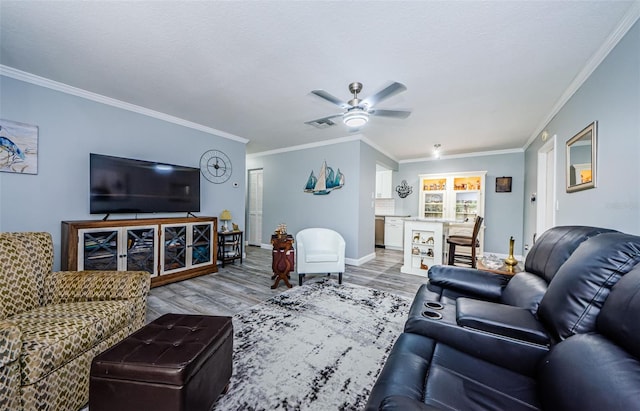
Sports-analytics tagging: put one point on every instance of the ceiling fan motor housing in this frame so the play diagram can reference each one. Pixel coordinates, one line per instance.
(358, 111)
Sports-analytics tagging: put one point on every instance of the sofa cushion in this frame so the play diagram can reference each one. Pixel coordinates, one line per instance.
(54, 335)
(525, 290)
(25, 258)
(589, 372)
(421, 369)
(618, 319)
(576, 294)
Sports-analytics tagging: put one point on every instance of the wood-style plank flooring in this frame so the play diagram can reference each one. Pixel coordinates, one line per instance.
(237, 287)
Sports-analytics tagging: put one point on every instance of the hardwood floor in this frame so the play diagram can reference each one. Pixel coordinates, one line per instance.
(237, 287)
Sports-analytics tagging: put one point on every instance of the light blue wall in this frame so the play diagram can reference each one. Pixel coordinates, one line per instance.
(503, 211)
(286, 173)
(611, 95)
(369, 158)
(284, 199)
(71, 127)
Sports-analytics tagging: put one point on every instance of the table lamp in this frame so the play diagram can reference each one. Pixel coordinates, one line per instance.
(224, 217)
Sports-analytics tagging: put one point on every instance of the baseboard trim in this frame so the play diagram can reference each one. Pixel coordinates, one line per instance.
(361, 260)
(348, 261)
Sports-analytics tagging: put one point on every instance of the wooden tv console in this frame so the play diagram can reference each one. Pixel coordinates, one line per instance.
(170, 249)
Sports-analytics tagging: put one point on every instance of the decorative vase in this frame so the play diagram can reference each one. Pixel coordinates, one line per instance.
(511, 260)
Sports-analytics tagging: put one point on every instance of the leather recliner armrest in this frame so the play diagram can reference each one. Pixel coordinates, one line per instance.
(515, 354)
(480, 283)
(505, 320)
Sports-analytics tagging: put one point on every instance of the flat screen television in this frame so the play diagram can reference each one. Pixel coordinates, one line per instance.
(124, 185)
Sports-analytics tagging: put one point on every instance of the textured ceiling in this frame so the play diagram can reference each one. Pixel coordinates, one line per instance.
(480, 76)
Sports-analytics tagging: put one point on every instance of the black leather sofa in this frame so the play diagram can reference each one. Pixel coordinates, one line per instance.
(562, 335)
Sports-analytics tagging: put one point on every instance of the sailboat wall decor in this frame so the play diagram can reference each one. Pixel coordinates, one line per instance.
(326, 181)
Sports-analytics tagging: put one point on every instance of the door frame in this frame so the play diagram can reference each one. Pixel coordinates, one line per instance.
(545, 202)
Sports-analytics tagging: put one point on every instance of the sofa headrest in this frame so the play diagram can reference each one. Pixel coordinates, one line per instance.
(575, 296)
(619, 318)
(554, 246)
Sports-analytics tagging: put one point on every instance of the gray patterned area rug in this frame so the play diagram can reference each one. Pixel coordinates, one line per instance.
(315, 347)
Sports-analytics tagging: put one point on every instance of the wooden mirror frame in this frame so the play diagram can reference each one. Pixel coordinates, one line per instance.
(581, 175)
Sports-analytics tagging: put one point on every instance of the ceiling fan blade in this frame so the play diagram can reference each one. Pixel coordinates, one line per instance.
(390, 113)
(391, 90)
(323, 119)
(331, 98)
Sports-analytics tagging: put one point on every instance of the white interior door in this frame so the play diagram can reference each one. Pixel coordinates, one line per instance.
(546, 201)
(254, 228)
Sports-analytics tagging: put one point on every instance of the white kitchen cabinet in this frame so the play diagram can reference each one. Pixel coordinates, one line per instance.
(393, 232)
(383, 184)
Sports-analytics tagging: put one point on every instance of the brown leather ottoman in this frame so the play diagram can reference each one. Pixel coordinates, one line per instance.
(178, 362)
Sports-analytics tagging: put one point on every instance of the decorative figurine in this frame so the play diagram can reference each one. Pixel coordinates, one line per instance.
(281, 231)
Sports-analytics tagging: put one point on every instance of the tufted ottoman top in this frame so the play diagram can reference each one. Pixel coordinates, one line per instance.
(169, 350)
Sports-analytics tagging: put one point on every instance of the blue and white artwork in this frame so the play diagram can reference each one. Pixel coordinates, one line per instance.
(18, 147)
(326, 181)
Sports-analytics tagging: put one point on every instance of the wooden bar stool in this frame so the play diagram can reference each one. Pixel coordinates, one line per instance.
(464, 241)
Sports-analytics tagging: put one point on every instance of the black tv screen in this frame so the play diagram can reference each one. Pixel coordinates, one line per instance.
(123, 185)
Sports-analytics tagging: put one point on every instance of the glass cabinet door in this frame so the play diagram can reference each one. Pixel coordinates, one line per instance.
(98, 250)
(433, 205)
(175, 247)
(466, 206)
(434, 191)
(201, 235)
(141, 246)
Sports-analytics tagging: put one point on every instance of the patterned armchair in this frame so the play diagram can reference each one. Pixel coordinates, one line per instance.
(52, 324)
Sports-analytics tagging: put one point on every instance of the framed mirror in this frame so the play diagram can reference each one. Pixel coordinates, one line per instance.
(581, 159)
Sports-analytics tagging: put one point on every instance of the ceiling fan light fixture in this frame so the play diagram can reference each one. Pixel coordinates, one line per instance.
(355, 118)
(436, 150)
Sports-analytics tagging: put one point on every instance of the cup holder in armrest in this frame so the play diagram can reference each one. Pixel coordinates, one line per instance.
(434, 305)
(432, 315)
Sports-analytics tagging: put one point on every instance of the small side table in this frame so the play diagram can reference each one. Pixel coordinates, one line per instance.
(503, 269)
(283, 259)
(229, 246)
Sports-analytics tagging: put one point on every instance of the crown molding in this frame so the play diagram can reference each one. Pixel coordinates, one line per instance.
(65, 88)
(466, 155)
(632, 15)
(356, 137)
(306, 146)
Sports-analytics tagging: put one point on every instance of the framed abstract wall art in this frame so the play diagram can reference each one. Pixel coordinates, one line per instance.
(503, 184)
(18, 147)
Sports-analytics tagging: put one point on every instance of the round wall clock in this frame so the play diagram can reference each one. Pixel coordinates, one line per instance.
(215, 166)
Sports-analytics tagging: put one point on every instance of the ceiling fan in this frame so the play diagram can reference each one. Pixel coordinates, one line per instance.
(356, 111)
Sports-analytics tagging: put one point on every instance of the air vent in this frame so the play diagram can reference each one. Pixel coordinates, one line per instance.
(322, 123)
